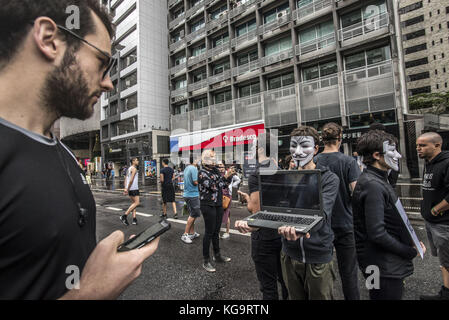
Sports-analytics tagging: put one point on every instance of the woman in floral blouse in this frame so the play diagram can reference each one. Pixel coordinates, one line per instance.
(210, 185)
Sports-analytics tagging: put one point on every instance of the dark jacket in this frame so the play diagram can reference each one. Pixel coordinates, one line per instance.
(435, 187)
(210, 186)
(380, 234)
(319, 247)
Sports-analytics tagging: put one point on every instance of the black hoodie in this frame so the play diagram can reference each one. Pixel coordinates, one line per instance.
(435, 187)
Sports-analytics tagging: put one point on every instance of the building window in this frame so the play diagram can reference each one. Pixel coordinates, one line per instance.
(222, 97)
(129, 103)
(320, 70)
(104, 132)
(197, 25)
(129, 81)
(411, 7)
(281, 81)
(199, 103)
(129, 59)
(317, 32)
(113, 108)
(413, 49)
(418, 76)
(414, 35)
(415, 63)
(220, 40)
(271, 15)
(247, 57)
(181, 109)
(416, 91)
(124, 127)
(278, 46)
(366, 58)
(179, 84)
(199, 50)
(249, 90)
(412, 21)
(221, 67)
(245, 28)
(364, 13)
(218, 13)
(180, 59)
(199, 76)
(163, 144)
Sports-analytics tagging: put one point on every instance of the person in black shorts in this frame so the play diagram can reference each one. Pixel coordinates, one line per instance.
(168, 190)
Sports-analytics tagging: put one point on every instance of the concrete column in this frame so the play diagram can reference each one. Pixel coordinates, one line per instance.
(340, 64)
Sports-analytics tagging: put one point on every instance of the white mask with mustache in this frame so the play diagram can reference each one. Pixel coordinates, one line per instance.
(391, 155)
(302, 149)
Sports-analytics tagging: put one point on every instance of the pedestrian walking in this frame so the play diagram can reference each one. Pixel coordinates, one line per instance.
(227, 193)
(266, 244)
(192, 200)
(347, 170)
(132, 190)
(48, 243)
(210, 184)
(435, 204)
(167, 177)
(382, 238)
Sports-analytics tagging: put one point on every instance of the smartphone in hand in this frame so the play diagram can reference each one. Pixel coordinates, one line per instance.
(145, 236)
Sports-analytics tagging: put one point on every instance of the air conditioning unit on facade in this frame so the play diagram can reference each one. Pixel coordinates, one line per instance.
(351, 77)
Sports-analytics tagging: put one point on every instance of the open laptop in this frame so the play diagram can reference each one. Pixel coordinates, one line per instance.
(289, 197)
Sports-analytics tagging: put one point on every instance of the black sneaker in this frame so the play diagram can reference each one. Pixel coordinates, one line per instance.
(442, 295)
(124, 219)
(221, 259)
(175, 216)
(135, 221)
(163, 216)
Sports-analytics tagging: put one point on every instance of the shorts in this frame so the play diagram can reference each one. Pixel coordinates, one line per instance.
(168, 194)
(193, 205)
(133, 193)
(438, 235)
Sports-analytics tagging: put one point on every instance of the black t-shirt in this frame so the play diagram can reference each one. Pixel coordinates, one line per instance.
(39, 232)
(168, 176)
(253, 185)
(348, 171)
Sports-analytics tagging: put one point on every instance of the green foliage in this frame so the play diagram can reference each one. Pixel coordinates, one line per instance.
(436, 103)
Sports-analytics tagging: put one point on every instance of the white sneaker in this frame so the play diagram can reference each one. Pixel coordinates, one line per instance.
(186, 239)
(225, 235)
(194, 235)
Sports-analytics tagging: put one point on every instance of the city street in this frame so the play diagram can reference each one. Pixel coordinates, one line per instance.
(175, 271)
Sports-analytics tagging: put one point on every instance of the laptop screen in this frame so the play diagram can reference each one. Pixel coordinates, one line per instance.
(291, 191)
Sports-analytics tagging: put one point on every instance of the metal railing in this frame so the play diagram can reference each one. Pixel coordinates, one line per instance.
(199, 115)
(277, 57)
(245, 38)
(216, 22)
(196, 34)
(171, 3)
(221, 114)
(219, 77)
(178, 92)
(194, 9)
(311, 8)
(194, 60)
(180, 121)
(218, 50)
(320, 98)
(177, 44)
(178, 68)
(197, 85)
(248, 108)
(177, 21)
(242, 8)
(281, 19)
(370, 89)
(248, 67)
(365, 26)
(315, 44)
(280, 106)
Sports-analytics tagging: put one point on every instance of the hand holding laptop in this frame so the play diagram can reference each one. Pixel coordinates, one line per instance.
(290, 233)
(243, 227)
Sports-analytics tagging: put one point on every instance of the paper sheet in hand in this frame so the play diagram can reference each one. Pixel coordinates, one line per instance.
(409, 228)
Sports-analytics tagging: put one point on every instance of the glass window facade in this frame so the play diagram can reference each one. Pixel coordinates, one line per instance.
(129, 103)
(281, 81)
(249, 90)
(316, 32)
(245, 28)
(222, 97)
(199, 103)
(247, 57)
(366, 58)
(129, 81)
(278, 46)
(320, 70)
(271, 15)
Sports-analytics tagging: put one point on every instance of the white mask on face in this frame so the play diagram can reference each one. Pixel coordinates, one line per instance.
(391, 155)
(302, 149)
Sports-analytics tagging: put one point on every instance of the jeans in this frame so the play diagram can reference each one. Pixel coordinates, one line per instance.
(212, 222)
(347, 264)
(266, 257)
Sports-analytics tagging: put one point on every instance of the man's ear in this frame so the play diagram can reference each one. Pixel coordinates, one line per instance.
(377, 155)
(45, 36)
(316, 149)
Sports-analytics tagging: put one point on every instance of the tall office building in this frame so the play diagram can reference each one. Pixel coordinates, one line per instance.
(425, 26)
(134, 116)
(279, 63)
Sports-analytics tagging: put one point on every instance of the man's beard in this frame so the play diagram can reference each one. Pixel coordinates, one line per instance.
(66, 92)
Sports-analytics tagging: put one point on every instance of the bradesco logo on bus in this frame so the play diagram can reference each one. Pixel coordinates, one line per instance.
(217, 138)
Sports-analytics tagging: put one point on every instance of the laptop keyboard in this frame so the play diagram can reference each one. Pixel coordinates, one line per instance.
(281, 218)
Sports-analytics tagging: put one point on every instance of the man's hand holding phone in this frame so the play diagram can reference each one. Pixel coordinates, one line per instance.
(108, 272)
